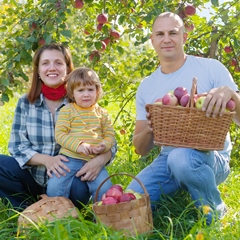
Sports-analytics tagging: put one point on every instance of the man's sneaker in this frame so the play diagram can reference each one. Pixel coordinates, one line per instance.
(211, 215)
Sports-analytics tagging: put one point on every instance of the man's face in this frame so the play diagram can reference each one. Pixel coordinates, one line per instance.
(168, 38)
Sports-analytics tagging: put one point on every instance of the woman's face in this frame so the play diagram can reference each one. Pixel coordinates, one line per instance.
(52, 68)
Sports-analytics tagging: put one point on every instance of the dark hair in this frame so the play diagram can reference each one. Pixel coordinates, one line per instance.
(36, 83)
(82, 76)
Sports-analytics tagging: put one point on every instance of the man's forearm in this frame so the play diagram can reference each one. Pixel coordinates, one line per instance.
(143, 142)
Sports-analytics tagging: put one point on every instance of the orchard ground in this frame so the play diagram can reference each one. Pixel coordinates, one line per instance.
(177, 217)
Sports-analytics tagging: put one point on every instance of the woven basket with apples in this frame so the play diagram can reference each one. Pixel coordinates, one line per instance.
(127, 210)
(178, 121)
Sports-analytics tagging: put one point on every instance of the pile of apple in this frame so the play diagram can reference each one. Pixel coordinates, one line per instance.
(115, 194)
(181, 97)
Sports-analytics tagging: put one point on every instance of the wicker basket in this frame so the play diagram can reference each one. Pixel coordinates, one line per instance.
(187, 126)
(48, 208)
(134, 217)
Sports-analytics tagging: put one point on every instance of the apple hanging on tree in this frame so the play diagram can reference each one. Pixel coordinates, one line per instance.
(94, 56)
(115, 34)
(102, 18)
(189, 10)
(228, 49)
(78, 4)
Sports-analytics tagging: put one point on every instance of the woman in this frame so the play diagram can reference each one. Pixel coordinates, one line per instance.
(34, 152)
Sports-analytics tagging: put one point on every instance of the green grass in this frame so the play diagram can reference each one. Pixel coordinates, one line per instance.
(177, 218)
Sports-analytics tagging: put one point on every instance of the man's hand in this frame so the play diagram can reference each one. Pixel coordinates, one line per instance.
(216, 101)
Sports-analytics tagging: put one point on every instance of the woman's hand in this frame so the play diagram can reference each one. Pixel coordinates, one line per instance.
(56, 165)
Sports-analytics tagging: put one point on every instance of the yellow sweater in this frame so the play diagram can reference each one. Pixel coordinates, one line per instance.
(89, 125)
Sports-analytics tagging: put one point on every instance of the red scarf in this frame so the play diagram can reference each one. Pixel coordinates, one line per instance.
(54, 93)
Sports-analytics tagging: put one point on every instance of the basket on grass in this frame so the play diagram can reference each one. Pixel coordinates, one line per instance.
(188, 126)
(134, 217)
(48, 208)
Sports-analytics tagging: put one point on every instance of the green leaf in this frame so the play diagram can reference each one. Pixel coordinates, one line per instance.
(215, 3)
(66, 33)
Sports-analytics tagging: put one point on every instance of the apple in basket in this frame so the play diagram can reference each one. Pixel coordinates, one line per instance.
(109, 200)
(118, 186)
(114, 192)
(184, 100)
(231, 105)
(158, 101)
(200, 101)
(136, 194)
(179, 92)
(169, 99)
(127, 197)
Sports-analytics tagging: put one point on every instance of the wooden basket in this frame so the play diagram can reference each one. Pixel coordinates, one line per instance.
(187, 126)
(134, 217)
(48, 208)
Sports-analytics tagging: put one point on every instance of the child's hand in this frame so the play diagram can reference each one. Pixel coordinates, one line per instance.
(99, 149)
(84, 148)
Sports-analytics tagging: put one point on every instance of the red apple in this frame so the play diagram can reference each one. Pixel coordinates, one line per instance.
(94, 56)
(233, 62)
(118, 186)
(189, 10)
(228, 49)
(231, 105)
(114, 192)
(107, 40)
(103, 46)
(102, 18)
(33, 26)
(200, 101)
(170, 99)
(99, 27)
(86, 32)
(123, 132)
(137, 195)
(103, 196)
(127, 197)
(78, 4)
(115, 34)
(158, 101)
(41, 41)
(184, 100)
(179, 92)
(109, 200)
(181, 14)
(189, 27)
(237, 69)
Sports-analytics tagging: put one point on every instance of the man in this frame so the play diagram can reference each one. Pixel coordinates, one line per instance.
(198, 172)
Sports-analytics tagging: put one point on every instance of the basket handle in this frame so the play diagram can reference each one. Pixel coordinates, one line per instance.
(193, 91)
(115, 174)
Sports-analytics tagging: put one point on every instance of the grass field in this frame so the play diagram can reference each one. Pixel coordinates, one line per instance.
(177, 217)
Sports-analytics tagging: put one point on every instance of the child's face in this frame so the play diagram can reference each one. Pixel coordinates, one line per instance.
(85, 96)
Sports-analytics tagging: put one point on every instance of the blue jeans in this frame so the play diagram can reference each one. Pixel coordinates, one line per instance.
(198, 172)
(61, 186)
(18, 186)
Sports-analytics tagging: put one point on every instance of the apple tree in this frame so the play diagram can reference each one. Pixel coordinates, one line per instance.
(112, 37)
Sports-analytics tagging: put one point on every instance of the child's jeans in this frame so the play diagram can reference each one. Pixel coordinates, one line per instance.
(61, 186)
